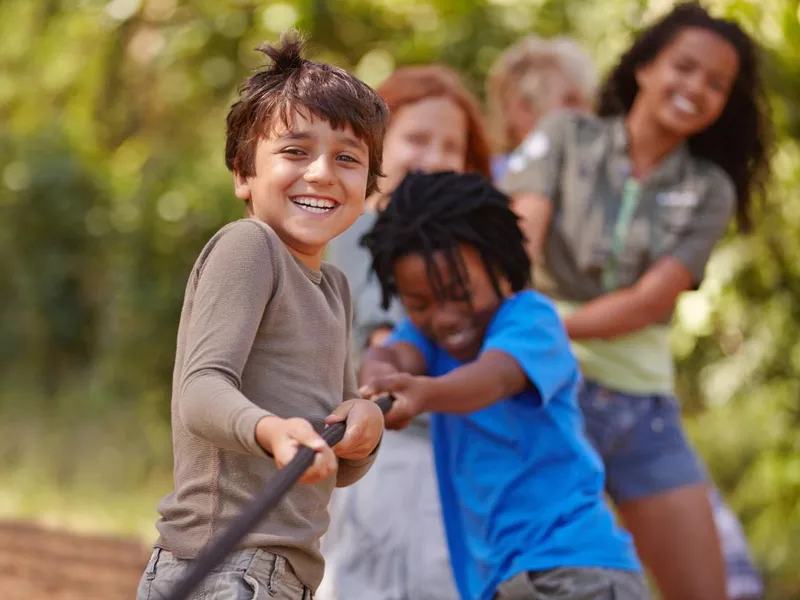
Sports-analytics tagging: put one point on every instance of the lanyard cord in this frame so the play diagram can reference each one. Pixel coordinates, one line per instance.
(628, 204)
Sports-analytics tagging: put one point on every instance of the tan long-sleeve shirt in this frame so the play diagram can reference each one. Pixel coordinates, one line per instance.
(260, 334)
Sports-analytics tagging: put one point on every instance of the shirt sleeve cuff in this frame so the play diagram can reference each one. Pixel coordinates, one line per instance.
(247, 431)
(351, 471)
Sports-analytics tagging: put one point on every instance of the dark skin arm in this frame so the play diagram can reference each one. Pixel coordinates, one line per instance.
(493, 376)
(648, 301)
(617, 313)
(399, 357)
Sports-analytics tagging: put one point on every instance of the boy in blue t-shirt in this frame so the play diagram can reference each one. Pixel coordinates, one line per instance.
(521, 488)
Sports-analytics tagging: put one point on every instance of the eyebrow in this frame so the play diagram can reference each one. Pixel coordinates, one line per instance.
(305, 136)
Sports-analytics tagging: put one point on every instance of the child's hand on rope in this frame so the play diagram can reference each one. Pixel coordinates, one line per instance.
(411, 394)
(364, 428)
(282, 439)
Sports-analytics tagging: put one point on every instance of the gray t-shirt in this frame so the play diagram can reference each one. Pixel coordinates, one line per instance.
(260, 334)
(581, 164)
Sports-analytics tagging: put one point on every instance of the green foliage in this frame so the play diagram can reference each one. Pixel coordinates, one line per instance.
(112, 178)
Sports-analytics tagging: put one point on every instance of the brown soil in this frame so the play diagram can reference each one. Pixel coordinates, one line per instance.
(38, 564)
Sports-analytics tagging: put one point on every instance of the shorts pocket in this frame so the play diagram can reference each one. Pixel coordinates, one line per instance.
(232, 584)
(262, 581)
(270, 576)
(258, 593)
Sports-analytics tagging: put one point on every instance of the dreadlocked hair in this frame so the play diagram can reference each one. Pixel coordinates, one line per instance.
(740, 141)
(435, 213)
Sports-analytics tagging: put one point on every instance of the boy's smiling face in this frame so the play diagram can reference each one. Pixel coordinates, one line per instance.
(456, 323)
(309, 185)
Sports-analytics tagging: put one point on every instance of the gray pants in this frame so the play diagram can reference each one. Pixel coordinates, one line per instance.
(575, 584)
(245, 575)
(387, 540)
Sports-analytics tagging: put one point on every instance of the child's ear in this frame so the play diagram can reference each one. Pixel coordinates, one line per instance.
(241, 185)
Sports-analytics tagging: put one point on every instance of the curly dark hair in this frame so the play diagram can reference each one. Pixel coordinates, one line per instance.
(435, 212)
(740, 141)
(292, 83)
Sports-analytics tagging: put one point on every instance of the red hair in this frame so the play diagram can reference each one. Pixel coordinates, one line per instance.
(409, 85)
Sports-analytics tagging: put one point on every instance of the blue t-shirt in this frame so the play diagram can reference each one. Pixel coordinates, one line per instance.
(521, 487)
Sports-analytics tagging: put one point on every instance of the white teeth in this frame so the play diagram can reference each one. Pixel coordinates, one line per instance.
(684, 104)
(308, 201)
(457, 339)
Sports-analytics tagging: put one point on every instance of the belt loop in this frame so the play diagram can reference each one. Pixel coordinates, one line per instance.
(150, 570)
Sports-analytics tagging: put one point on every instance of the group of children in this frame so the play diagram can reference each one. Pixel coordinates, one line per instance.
(265, 359)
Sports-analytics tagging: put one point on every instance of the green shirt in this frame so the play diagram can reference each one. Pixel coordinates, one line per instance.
(608, 229)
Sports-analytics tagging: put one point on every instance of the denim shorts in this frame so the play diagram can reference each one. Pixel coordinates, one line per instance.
(252, 574)
(641, 441)
(645, 450)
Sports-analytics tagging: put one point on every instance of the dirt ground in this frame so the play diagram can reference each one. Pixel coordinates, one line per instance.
(38, 564)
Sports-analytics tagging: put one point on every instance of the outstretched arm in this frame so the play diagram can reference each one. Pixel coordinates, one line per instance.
(650, 300)
(525, 347)
(397, 357)
(493, 376)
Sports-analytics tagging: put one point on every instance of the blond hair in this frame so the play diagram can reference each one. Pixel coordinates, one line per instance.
(527, 68)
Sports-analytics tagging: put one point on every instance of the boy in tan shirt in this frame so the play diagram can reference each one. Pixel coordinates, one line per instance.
(262, 356)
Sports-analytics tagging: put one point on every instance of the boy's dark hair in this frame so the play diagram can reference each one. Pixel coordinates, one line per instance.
(740, 140)
(430, 213)
(292, 82)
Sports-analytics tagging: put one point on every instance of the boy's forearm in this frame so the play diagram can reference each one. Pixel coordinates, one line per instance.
(211, 408)
(493, 377)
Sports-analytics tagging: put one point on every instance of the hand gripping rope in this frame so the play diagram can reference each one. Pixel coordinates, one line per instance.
(266, 500)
